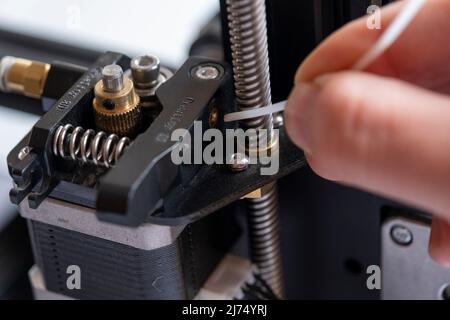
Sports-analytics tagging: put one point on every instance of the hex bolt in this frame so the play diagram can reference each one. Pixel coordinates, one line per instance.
(23, 152)
(207, 72)
(238, 162)
(145, 70)
(401, 235)
(112, 78)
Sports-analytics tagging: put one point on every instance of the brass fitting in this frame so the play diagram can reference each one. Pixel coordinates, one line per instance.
(24, 76)
(258, 193)
(115, 104)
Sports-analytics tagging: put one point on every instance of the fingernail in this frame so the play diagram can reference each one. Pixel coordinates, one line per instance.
(439, 246)
(297, 114)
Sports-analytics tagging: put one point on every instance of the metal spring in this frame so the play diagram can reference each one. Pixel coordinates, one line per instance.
(250, 59)
(88, 146)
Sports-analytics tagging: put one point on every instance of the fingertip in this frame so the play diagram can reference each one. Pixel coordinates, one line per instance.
(301, 100)
(303, 72)
(322, 168)
(439, 247)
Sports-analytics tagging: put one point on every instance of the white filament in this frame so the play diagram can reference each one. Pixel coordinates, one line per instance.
(5, 64)
(392, 33)
(254, 113)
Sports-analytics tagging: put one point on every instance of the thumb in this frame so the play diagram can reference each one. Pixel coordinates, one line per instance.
(379, 134)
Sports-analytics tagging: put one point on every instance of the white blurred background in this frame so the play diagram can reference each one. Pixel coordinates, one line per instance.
(162, 27)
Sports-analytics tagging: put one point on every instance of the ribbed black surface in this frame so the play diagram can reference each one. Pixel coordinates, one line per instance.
(110, 270)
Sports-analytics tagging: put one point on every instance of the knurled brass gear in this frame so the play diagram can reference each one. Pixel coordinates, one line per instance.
(117, 111)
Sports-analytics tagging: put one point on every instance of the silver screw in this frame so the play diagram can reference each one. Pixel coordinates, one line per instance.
(207, 72)
(278, 120)
(145, 70)
(238, 162)
(112, 77)
(23, 152)
(401, 235)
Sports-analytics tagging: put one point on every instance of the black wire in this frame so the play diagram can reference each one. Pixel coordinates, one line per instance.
(249, 295)
(266, 286)
(259, 290)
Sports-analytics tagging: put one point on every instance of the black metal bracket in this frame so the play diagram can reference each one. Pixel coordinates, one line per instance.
(139, 183)
(33, 172)
(145, 185)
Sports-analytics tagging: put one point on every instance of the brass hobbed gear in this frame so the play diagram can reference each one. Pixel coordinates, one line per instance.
(123, 124)
(116, 105)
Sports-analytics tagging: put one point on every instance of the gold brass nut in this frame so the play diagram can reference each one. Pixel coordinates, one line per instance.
(257, 194)
(269, 149)
(27, 77)
(117, 112)
(213, 118)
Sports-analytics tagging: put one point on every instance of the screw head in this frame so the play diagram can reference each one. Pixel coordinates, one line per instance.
(23, 152)
(238, 162)
(145, 70)
(207, 72)
(401, 235)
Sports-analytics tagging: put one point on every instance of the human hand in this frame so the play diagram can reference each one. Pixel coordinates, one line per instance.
(386, 130)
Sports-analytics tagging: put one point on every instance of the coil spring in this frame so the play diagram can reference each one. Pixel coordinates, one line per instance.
(88, 146)
(250, 59)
